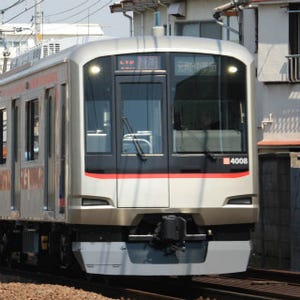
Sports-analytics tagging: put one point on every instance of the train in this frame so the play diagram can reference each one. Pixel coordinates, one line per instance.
(130, 156)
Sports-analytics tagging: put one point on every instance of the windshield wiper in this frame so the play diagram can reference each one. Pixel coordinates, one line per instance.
(135, 141)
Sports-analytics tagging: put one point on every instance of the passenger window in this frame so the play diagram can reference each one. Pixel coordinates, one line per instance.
(32, 130)
(3, 136)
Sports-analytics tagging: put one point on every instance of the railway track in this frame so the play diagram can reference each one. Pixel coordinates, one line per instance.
(257, 283)
(254, 284)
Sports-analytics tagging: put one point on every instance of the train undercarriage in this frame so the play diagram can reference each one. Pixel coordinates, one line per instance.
(167, 244)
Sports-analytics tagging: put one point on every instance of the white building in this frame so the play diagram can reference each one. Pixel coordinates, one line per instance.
(19, 38)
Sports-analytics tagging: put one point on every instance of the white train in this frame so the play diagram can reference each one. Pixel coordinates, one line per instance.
(134, 156)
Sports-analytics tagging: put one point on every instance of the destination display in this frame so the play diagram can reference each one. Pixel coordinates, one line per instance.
(139, 62)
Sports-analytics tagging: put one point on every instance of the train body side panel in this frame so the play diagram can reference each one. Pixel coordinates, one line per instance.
(31, 187)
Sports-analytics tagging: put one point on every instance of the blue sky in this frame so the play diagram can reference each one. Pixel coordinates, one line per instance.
(67, 11)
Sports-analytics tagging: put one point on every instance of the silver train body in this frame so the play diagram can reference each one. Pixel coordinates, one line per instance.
(134, 156)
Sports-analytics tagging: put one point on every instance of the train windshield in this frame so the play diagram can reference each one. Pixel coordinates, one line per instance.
(141, 118)
(209, 96)
(204, 96)
(98, 93)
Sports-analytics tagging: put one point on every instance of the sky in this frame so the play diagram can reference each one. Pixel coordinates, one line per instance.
(67, 11)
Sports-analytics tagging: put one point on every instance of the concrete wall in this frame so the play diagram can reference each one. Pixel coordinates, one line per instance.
(271, 239)
(295, 211)
(196, 10)
(273, 35)
(278, 101)
(278, 112)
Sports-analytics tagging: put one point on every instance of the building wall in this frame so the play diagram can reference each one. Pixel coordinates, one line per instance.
(273, 35)
(271, 238)
(278, 113)
(195, 10)
(295, 211)
(278, 100)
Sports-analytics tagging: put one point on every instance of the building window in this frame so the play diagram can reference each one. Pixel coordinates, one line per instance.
(294, 43)
(32, 130)
(207, 29)
(3, 136)
(294, 34)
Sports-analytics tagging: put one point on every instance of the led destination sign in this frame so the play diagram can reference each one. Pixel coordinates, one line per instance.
(139, 62)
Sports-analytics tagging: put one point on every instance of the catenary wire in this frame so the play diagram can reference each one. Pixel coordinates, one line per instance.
(76, 14)
(68, 10)
(90, 14)
(21, 13)
(3, 10)
(93, 13)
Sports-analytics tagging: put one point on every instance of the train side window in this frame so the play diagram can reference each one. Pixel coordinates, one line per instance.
(3, 136)
(32, 130)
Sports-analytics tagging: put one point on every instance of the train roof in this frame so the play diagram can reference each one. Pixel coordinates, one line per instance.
(114, 46)
(157, 44)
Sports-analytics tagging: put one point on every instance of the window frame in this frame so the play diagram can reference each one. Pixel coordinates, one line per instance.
(3, 135)
(294, 26)
(32, 130)
(180, 25)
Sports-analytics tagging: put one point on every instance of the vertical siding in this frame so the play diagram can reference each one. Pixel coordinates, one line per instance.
(271, 238)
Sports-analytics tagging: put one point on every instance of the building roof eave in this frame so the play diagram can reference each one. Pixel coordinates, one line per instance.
(137, 5)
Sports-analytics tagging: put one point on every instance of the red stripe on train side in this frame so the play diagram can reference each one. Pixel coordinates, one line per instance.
(166, 175)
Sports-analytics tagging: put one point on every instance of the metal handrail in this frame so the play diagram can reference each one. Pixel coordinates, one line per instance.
(293, 67)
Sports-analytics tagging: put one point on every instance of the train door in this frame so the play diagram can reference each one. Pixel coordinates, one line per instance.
(49, 197)
(16, 155)
(142, 161)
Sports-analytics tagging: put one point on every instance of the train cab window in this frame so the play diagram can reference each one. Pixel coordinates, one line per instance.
(3, 136)
(97, 104)
(141, 117)
(32, 130)
(209, 96)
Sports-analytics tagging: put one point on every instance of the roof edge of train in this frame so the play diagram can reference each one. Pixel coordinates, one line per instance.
(165, 43)
(82, 53)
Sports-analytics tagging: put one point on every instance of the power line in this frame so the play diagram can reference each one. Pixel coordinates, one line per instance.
(76, 14)
(93, 13)
(67, 10)
(13, 5)
(21, 13)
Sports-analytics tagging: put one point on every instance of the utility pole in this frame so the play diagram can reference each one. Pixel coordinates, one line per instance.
(38, 22)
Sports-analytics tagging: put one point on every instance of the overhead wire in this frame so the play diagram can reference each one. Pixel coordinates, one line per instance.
(23, 12)
(60, 13)
(83, 11)
(23, 37)
(3, 10)
(68, 10)
(94, 12)
(78, 13)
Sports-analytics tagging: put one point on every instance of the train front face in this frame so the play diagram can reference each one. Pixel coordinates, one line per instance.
(167, 185)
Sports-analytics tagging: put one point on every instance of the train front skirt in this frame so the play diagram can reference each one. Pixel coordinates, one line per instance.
(198, 258)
